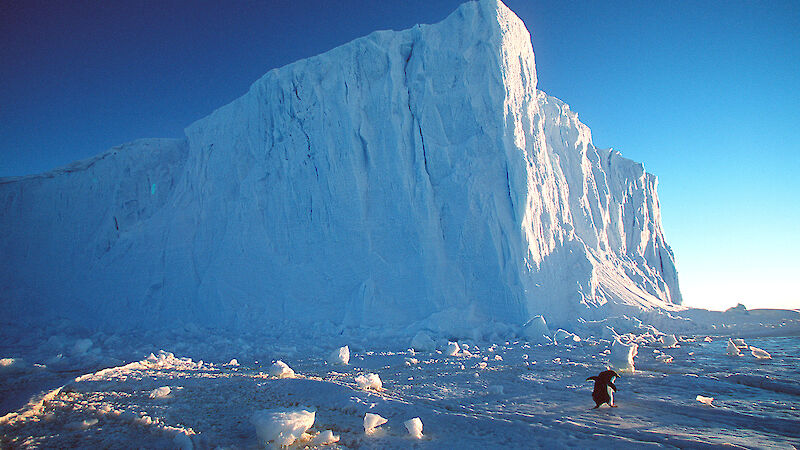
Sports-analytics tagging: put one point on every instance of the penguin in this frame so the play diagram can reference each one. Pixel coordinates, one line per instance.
(604, 388)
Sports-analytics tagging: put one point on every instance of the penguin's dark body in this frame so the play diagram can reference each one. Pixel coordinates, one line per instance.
(604, 388)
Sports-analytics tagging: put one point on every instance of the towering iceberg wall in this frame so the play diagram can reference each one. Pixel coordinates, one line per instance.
(404, 180)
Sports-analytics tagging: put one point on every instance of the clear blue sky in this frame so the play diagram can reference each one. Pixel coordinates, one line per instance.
(706, 94)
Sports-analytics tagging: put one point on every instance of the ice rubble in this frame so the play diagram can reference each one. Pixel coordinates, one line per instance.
(402, 180)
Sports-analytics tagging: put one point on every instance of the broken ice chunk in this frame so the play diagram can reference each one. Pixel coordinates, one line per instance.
(705, 400)
(281, 370)
(622, 355)
(281, 427)
(372, 421)
(160, 393)
(668, 341)
(759, 353)
(324, 438)
(414, 427)
(732, 349)
(340, 356)
(452, 349)
(370, 381)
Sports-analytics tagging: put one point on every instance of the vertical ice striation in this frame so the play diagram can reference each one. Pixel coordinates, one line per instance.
(406, 180)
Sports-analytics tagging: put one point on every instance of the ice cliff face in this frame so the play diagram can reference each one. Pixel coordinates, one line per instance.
(405, 180)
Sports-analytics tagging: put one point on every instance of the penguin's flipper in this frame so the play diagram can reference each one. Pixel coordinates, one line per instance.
(594, 377)
(612, 386)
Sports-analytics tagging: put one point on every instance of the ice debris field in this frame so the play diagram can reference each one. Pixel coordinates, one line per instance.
(254, 391)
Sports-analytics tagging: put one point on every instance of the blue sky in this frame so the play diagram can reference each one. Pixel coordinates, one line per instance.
(705, 94)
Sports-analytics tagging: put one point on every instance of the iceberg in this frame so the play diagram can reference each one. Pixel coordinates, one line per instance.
(406, 180)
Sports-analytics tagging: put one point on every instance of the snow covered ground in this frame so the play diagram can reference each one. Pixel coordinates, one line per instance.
(503, 393)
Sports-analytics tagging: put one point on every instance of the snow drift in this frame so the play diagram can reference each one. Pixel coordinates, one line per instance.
(404, 181)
